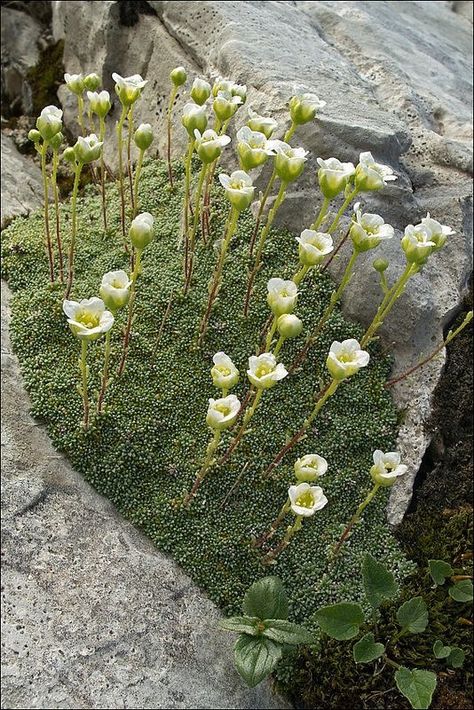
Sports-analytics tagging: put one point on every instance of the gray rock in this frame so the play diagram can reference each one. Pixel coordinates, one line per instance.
(20, 36)
(92, 615)
(396, 78)
(22, 188)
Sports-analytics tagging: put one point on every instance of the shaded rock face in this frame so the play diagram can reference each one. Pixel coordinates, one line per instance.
(22, 188)
(93, 616)
(20, 53)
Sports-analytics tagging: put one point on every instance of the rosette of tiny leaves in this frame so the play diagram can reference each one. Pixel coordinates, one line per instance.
(370, 175)
(253, 148)
(129, 88)
(208, 145)
(346, 358)
(333, 176)
(313, 247)
(303, 107)
(261, 124)
(224, 373)
(289, 162)
(282, 296)
(200, 91)
(367, 230)
(310, 467)
(387, 468)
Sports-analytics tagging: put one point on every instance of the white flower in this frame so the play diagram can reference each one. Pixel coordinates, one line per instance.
(238, 188)
(417, 243)
(368, 230)
(346, 358)
(225, 105)
(99, 102)
(222, 413)
(261, 124)
(303, 107)
(128, 88)
(200, 91)
(194, 117)
(88, 319)
(289, 162)
(370, 175)
(209, 144)
(49, 122)
(333, 176)
(75, 83)
(387, 468)
(438, 232)
(264, 372)
(115, 289)
(310, 467)
(87, 149)
(314, 246)
(306, 500)
(253, 148)
(282, 296)
(141, 230)
(224, 373)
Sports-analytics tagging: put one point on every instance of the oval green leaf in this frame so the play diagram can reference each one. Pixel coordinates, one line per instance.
(367, 649)
(439, 570)
(255, 658)
(417, 686)
(266, 599)
(461, 591)
(413, 615)
(340, 621)
(379, 583)
(284, 631)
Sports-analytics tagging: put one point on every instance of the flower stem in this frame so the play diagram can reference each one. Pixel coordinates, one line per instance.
(169, 113)
(217, 278)
(299, 276)
(327, 313)
(187, 187)
(85, 396)
(261, 243)
(129, 155)
(273, 527)
(322, 213)
(120, 123)
(54, 182)
(80, 113)
(243, 427)
(220, 129)
(342, 209)
(72, 246)
(208, 462)
(49, 246)
(131, 304)
(192, 236)
(138, 170)
(271, 556)
(355, 519)
(102, 172)
(105, 373)
(321, 401)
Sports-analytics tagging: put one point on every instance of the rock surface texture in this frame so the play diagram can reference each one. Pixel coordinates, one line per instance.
(396, 79)
(92, 615)
(22, 187)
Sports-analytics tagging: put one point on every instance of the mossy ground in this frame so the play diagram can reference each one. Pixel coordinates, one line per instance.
(145, 450)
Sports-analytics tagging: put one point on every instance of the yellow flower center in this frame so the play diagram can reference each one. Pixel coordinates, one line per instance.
(345, 357)
(223, 370)
(305, 500)
(116, 283)
(223, 409)
(263, 370)
(88, 319)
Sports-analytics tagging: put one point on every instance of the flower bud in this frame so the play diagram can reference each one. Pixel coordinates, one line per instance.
(115, 290)
(310, 467)
(75, 83)
(238, 189)
(49, 122)
(141, 231)
(200, 91)
(92, 82)
(380, 265)
(99, 102)
(178, 76)
(289, 325)
(56, 141)
(194, 118)
(143, 136)
(224, 373)
(88, 149)
(69, 155)
(34, 135)
(282, 296)
(303, 108)
(225, 105)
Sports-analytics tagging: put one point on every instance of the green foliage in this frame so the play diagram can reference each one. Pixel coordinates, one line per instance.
(439, 570)
(413, 615)
(441, 651)
(454, 656)
(285, 632)
(241, 625)
(379, 582)
(256, 658)
(461, 591)
(266, 599)
(367, 650)
(340, 621)
(417, 686)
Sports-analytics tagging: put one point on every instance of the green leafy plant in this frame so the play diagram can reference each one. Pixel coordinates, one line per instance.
(265, 631)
